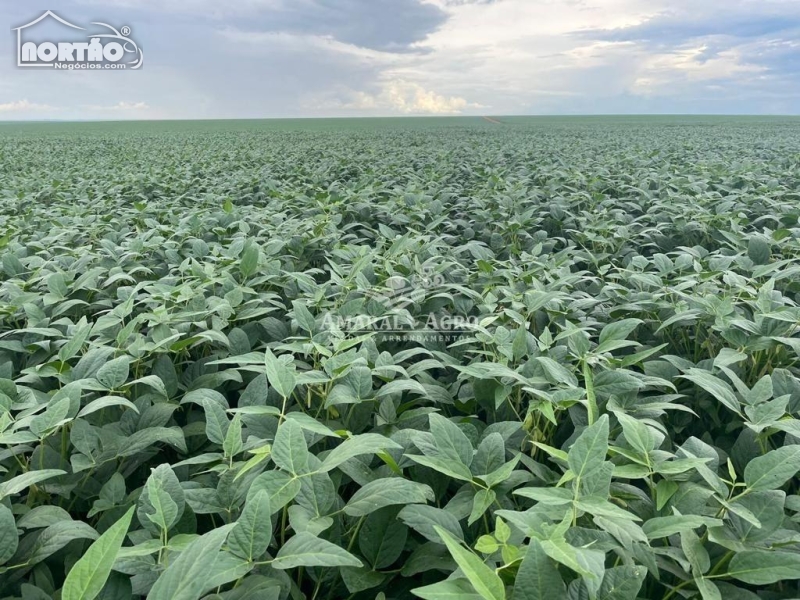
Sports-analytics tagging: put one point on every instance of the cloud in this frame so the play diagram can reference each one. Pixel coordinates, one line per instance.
(670, 73)
(411, 98)
(294, 58)
(378, 24)
(395, 97)
(121, 106)
(25, 106)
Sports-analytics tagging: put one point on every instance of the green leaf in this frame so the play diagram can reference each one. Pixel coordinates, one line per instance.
(485, 581)
(387, 492)
(56, 536)
(249, 262)
(382, 538)
(281, 487)
(8, 534)
(304, 317)
(765, 507)
(367, 443)
(622, 583)
(76, 341)
(480, 503)
(659, 527)
(538, 577)
(280, 376)
(502, 531)
(449, 589)
(360, 579)
(665, 489)
(758, 250)
(114, 373)
(450, 441)
(637, 434)
(618, 330)
(233, 445)
(695, 552)
(253, 532)
(105, 402)
(588, 452)
(707, 588)
(217, 423)
(716, 387)
(187, 577)
(289, 450)
(764, 567)
(162, 501)
(448, 466)
(772, 470)
(424, 519)
(306, 550)
(87, 577)
(20, 482)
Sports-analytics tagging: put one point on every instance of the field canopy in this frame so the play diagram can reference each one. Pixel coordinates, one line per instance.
(528, 358)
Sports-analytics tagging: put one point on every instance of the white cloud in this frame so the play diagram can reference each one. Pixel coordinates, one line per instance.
(411, 98)
(668, 73)
(121, 106)
(396, 96)
(25, 106)
(263, 42)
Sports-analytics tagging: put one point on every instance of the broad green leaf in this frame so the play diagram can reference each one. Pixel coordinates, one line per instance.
(772, 470)
(253, 532)
(249, 262)
(695, 552)
(480, 504)
(20, 482)
(622, 583)
(187, 577)
(56, 536)
(281, 487)
(715, 386)
(450, 589)
(450, 440)
(618, 330)
(538, 577)
(387, 492)
(289, 450)
(707, 588)
(424, 519)
(105, 402)
(764, 567)
(588, 452)
(448, 466)
(382, 538)
(114, 373)
(367, 443)
(87, 577)
(217, 423)
(162, 501)
(306, 550)
(280, 376)
(659, 527)
(485, 581)
(232, 444)
(8, 534)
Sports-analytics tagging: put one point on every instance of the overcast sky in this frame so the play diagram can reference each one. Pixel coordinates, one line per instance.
(315, 58)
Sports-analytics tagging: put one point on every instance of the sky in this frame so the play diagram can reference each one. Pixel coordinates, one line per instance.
(209, 59)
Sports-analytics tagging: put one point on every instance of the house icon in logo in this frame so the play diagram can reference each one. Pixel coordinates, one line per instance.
(21, 28)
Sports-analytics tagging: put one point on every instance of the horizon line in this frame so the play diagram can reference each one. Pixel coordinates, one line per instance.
(400, 117)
